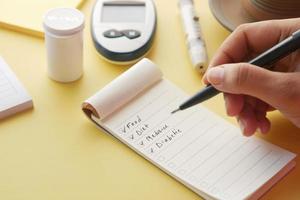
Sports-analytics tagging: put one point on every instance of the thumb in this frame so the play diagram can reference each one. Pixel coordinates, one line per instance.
(243, 78)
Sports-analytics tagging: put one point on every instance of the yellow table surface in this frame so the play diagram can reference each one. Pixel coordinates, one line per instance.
(54, 152)
(26, 16)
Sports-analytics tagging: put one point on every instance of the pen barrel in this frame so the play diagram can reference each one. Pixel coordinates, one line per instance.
(207, 93)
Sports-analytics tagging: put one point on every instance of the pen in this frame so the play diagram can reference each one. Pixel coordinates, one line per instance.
(280, 50)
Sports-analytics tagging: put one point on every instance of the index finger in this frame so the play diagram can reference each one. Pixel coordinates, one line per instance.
(252, 39)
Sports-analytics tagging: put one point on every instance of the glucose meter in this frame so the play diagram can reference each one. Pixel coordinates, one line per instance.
(123, 30)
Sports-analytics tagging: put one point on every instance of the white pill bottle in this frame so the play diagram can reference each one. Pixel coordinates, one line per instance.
(64, 43)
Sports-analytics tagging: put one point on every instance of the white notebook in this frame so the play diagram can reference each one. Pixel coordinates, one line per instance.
(13, 96)
(195, 146)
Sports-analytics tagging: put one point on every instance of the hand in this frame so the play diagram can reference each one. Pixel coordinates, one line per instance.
(249, 91)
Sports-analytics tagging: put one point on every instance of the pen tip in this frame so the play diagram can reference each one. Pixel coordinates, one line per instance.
(174, 111)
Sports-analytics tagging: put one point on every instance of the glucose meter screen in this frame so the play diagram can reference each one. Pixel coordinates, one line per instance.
(122, 13)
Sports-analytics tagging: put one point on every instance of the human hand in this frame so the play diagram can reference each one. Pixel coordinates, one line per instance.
(249, 91)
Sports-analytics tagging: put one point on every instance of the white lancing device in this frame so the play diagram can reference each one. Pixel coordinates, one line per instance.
(194, 40)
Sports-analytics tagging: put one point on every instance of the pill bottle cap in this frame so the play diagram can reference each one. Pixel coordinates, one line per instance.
(63, 21)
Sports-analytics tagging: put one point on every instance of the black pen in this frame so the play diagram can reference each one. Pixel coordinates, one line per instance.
(280, 50)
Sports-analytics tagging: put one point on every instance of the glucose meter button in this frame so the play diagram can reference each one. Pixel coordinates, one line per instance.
(112, 33)
(131, 34)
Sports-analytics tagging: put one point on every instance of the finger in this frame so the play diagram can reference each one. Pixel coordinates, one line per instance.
(247, 121)
(261, 106)
(252, 101)
(234, 104)
(252, 38)
(270, 108)
(204, 79)
(263, 124)
(275, 88)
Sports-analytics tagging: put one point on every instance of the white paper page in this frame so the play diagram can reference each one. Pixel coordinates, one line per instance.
(124, 88)
(12, 93)
(195, 146)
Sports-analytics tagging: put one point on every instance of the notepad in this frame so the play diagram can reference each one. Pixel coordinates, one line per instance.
(13, 96)
(195, 146)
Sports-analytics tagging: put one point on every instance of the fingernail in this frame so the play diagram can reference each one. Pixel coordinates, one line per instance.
(242, 126)
(226, 104)
(258, 130)
(203, 78)
(215, 75)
